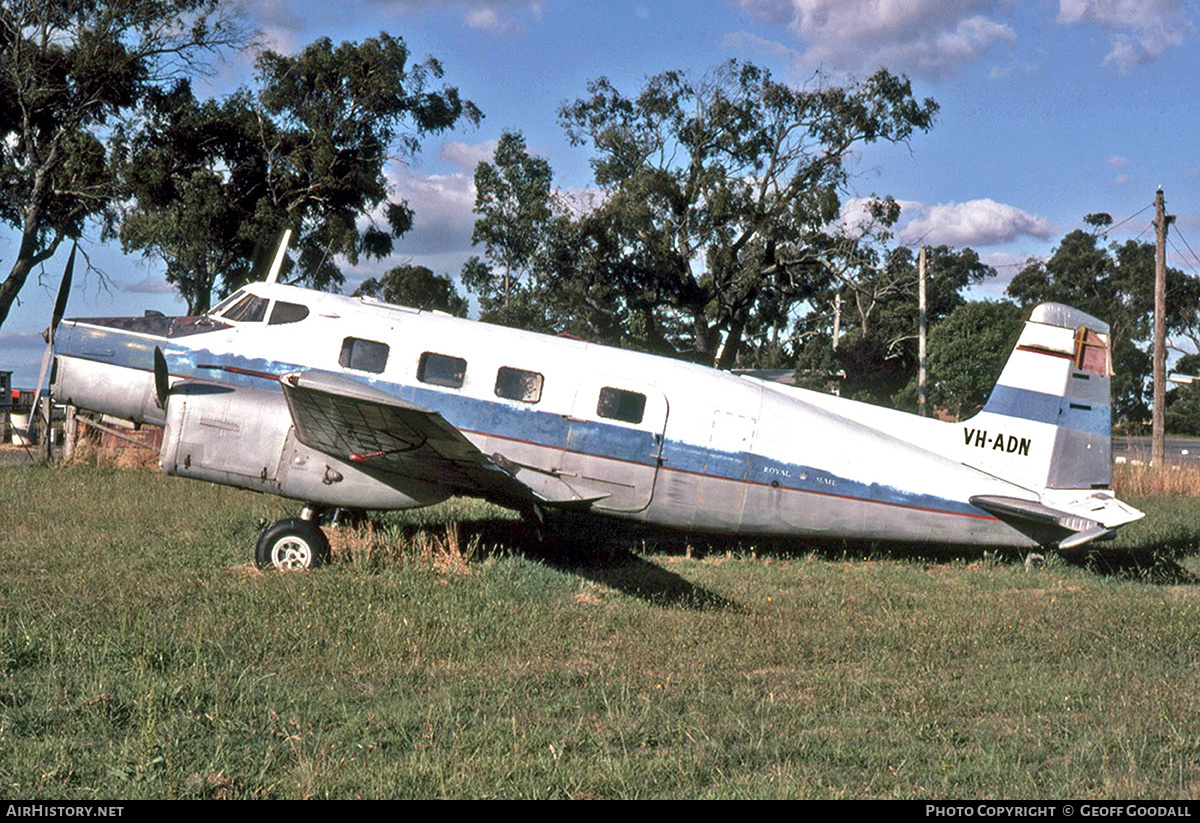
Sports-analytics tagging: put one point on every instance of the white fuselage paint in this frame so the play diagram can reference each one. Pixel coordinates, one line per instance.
(713, 451)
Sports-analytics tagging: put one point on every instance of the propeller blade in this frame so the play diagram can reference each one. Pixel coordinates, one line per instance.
(162, 378)
(64, 289)
(60, 307)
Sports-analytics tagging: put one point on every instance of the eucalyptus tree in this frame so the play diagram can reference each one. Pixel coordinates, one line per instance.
(70, 72)
(417, 287)
(1116, 284)
(307, 147)
(715, 194)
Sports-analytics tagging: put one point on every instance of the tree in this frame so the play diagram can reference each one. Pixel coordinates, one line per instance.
(69, 71)
(1116, 285)
(1183, 401)
(196, 174)
(714, 194)
(967, 352)
(418, 287)
(513, 201)
(874, 289)
(307, 148)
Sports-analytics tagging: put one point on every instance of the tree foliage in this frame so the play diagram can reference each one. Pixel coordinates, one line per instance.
(967, 352)
(1183, 401)
(712, 193)
(873, 290)
(514, 207)
(306, 148)
(70, 70)
(418, 287)
(1114, 284)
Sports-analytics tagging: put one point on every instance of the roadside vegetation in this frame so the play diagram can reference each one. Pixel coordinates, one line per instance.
(442, 655)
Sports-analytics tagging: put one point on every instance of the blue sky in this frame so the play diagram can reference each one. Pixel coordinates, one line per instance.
(1050, 110)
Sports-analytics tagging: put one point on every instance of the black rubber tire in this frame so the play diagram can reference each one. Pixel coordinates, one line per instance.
(292, 545)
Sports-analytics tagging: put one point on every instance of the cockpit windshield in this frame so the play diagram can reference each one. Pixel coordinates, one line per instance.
(243, 307)
(249, 309)
(226, 303)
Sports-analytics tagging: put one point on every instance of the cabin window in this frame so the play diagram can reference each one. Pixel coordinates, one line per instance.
(249, 309)
(285, 312)
(618, 404)
(518, 384)
(442, 370)
(363, 355)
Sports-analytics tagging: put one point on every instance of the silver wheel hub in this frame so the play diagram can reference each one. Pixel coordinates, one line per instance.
(291, 554)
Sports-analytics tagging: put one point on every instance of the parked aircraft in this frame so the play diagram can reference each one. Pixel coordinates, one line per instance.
(338, 401)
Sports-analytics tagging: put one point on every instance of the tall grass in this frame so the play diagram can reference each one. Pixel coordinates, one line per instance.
(442, 655)
(1144, 480)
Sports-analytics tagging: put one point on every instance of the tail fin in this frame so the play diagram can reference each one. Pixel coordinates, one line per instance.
(1047, 424)
(1048, 428)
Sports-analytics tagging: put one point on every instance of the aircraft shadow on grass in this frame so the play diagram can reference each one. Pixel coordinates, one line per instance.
(613, 554)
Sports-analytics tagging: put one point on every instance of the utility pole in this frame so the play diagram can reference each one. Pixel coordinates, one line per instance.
(921, 331)
(1158, 421)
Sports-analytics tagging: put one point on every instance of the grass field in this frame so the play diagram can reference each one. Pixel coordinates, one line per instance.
(141, 656)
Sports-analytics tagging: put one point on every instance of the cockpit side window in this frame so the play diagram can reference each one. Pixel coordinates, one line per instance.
(285, 312)
(249, 309)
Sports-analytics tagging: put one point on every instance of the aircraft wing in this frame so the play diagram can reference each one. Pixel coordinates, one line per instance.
(381, 432)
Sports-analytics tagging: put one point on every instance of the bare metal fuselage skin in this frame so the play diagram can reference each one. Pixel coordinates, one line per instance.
(706, 451)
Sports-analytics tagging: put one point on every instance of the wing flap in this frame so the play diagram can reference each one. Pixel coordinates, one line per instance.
(383, 433)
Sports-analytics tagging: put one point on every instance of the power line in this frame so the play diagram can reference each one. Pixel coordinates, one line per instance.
(1179, 234)
(1127, 219)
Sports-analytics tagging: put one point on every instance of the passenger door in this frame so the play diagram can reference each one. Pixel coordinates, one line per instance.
(615, 441)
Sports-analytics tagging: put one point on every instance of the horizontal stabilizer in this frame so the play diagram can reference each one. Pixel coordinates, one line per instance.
(1016, 512)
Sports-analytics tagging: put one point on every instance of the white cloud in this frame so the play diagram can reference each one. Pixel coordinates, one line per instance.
(973, 223)
(150, 285)
(1141, 30)
(466, 156)
(1122, 179)
(933, 38)
(1117, 161)
(442, 204)
(442, 210)
(856, 218)
(497, 16)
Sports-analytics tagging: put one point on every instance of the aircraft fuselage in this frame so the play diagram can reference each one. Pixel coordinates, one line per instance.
(618, 432)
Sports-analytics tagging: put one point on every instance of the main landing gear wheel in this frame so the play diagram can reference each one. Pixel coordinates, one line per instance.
(292, 545)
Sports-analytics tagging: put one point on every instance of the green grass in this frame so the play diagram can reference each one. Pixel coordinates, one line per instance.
(141, 656)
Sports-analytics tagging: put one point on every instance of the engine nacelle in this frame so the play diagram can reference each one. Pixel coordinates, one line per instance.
(115, 390)
(244, 437)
